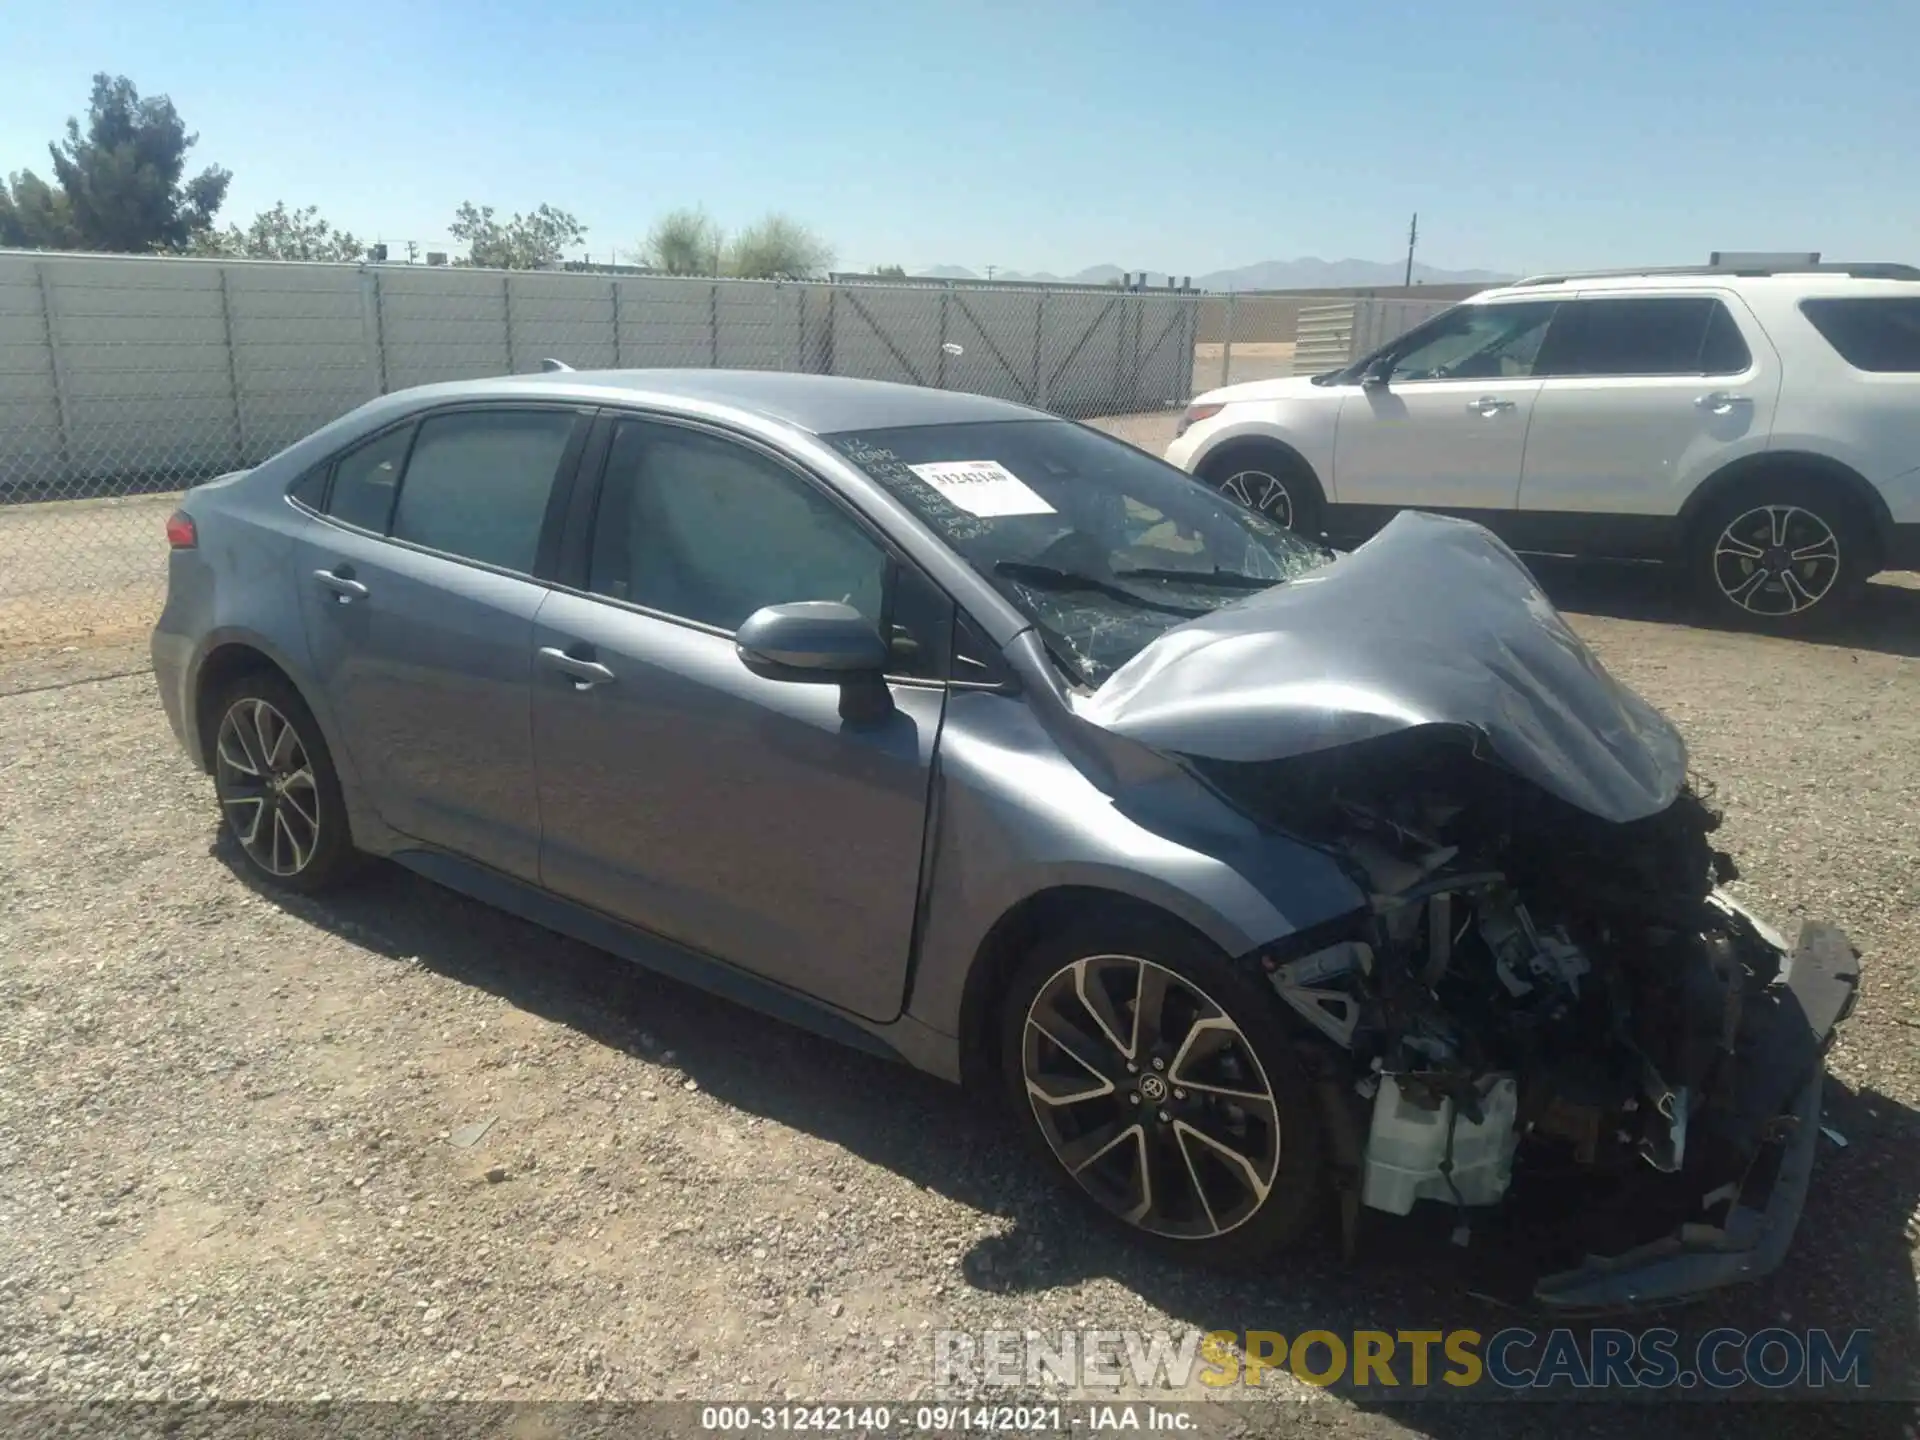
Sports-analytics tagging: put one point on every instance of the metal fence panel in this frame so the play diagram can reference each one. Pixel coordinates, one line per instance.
(143, 369)
(754, 326)
(1162, 375)
(1324, 339)
(570, 315)
(299, 351)
(29, 397)
(989, 343)
(665, 323)
(883, 333)
(435, 325)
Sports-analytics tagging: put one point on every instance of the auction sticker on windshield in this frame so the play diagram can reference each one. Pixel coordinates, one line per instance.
(982, 487)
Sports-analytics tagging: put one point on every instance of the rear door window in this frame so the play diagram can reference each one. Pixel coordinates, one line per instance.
(478, 483)
(1880, 333)
(1649, 336)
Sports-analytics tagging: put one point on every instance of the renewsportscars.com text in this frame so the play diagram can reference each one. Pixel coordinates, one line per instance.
(1829, 1363)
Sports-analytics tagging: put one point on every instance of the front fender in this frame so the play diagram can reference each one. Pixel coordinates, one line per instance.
(1014, 818)
(1272, 422)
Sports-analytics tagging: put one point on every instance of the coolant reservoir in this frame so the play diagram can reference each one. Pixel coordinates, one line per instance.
(1407, 1144)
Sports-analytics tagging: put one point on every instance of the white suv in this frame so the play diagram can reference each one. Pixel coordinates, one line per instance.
(1760, 427)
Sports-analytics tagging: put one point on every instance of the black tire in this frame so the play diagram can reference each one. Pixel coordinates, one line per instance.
(278, 792)
(1230, 1213)
(1272, 482)
(1785, 553)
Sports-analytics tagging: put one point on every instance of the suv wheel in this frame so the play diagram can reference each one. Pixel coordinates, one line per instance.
(279, 794)
(1162, 1086)
(1272, 483)
(1780, 554)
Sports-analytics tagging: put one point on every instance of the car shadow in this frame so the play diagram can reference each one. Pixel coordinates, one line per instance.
(1887, 619)
(1851, 1265)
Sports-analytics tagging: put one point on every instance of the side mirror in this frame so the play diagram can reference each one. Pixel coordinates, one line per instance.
(1377, 374)
(820, 642)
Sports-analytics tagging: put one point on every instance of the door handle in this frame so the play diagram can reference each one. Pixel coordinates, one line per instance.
(1719, 402)
(585, 673)
(345, 588)
(1487, 405)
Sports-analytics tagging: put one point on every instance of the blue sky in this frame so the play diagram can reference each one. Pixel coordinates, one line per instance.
(1053, 134)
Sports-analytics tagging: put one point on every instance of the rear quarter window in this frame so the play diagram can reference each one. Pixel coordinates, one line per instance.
(310, 489)
(1879, 333)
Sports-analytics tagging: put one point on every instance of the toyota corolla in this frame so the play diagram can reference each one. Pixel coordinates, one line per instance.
(1266, 885)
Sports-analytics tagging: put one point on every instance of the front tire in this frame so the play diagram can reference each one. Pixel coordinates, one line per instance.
(1782, 554)
(1270, 482)
(279, 793)
(1162, 1086)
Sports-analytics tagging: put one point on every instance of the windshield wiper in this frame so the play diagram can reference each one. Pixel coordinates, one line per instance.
(1229, 579)
(1052, 578)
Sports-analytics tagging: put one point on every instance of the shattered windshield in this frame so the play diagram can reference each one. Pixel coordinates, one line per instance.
(1101, 545)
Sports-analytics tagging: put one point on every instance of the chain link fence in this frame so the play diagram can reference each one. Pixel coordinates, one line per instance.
(125, 379)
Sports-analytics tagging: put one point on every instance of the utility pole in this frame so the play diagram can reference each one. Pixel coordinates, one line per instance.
(1413, 234)
(990, 270)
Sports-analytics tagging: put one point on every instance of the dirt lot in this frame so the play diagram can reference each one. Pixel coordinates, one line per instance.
(393, 1144)
(1213, 366)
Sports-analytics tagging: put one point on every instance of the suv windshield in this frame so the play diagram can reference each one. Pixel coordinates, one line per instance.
(1101, 545)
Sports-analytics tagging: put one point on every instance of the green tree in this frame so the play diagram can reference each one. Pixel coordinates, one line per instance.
(890, 272)
(524, 242)
(121, 177)
(35, 215)
(684, 242)
(778, 248)
(283, 234)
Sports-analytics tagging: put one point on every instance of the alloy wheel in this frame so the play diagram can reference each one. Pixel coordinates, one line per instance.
(1151, 1097)
(267, 788)
(1259, 491)
(1776, 560)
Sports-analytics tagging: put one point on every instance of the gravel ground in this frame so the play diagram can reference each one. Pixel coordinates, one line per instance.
(396, 1145)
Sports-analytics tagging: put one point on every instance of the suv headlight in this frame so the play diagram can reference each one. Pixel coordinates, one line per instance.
(1193, 415)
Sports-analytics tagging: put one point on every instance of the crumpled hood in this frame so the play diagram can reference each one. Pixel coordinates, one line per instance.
(1432, 622)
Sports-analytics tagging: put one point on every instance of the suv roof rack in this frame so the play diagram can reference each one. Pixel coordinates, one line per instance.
(1868, 270)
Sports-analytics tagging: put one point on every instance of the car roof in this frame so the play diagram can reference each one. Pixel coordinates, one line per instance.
(1787, 283)
(819, 404)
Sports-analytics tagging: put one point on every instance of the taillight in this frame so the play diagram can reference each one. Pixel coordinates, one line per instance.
(180, 532)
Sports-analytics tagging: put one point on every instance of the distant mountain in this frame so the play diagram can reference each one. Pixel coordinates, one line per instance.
(1311, 273)
(1314, 273)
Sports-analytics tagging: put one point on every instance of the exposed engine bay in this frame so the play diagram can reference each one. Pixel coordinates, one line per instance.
(1540, 1004)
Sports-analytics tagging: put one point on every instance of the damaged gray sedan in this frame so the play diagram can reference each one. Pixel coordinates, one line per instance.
(1269, 886)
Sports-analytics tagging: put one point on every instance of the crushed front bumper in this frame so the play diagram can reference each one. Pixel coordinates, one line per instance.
(1784, 1053)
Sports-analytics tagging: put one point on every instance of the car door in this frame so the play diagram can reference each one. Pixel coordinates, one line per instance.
(418, 596)
(1448, 427)
(1643, 396)
(738, 816)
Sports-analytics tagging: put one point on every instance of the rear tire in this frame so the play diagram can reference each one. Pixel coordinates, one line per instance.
(1162, 1086)
(279, 794)
(1269, 481)
(1785, 553)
